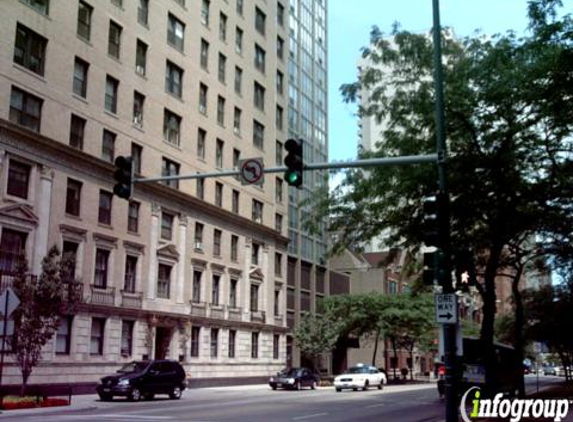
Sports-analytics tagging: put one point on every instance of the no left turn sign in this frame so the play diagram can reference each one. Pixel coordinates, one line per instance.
(252, 171)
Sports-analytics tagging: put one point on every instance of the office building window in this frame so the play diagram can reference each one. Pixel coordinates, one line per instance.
(205, 5)
(96, 336)
(164, 281)
(232, 339)
(279, 190)
(278, 264)
(170, 168)
(201, 188)
(25, 109)
(214, 343)
(221, 110)
(257, 211)
(133, 216)
(260, 58)
(279, 118)
(255, 250)
(18, 179)
(222, 66)
(279, 154)
(126, 338)
(215, 288)
(239, 7)
(41, 6)
(223, 27)
(195, 336)
(237, 121)
(217, 234)
(199, 227)
(201, 137)
(114, 39)
(280, 14)
(171, 127)
(277, 303)
(130, 273)
(258, 135)
(138, 102)
(280, 48)
(73, 197)
(238, 40)
(173, 79)
(12, 244)
(254, 297)
(260, 21)
(280, 82)
(175, 32)
(196, 294)
(279, 223)
(136, 156)
(236, 159)
(203, 98)
(204, 57)
(118, 3)
(84, 20)
(235, 201)
(77, 129)
(101, 268)
(80, 85)
(238, 80)
(254, 345)
(64, 335)
(259, 96)
(143, 12)
(104, 211)
(276, 338)
(140, 57)
(233, 288)
(111, 86)
(108, 146)
(166, 226)
(218, 194)
(234, 248)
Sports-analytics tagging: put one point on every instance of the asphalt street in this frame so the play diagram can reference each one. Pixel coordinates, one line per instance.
(409, 403)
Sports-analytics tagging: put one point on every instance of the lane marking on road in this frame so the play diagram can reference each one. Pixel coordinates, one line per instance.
(316, 415)
(125, 416)
(376, 405)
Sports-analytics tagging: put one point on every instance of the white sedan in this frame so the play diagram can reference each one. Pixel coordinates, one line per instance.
(360, 376)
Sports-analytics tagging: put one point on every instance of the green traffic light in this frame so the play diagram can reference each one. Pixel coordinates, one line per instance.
(292, 178)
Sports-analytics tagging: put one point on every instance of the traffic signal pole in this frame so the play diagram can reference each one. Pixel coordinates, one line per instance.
(445, 280)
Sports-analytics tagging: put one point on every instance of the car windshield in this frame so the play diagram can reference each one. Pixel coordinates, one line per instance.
(292, 372)
(133, 367)
(357, 370)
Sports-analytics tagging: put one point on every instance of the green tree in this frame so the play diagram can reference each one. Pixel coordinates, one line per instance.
(316, 334)
(42, 301)
(508, 121)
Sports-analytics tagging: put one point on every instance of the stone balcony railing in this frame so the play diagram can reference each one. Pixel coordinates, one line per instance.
(102, 295)
(258, 316)
(278, 320)
(198, 308)
(216, 311)
(234, 314)
(131, 299)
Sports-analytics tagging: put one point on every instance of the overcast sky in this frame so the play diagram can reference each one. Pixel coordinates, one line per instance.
(349, 27)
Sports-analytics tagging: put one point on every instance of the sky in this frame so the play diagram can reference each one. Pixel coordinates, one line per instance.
(349, 24)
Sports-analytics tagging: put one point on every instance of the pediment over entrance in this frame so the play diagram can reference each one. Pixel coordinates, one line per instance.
(168, 251)
(256, 273)
(22, 213)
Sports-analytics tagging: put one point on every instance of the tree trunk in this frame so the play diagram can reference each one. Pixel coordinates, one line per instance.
(489, 310)
(375, 347)
(393, 340)
(519, 341)
(25, 376)
(411, 352)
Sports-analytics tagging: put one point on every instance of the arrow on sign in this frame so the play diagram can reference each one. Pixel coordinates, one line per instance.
(447, 316)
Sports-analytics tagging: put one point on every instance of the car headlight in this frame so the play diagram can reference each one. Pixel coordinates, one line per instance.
(272, 379)
(123, 382)
(291, 380)
(100, 382)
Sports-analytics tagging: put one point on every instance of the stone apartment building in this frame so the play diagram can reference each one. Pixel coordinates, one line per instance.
(194, 270)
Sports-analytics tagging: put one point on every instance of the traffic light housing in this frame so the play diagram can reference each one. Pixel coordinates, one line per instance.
(435, 234)
(294, 162)
(434, 267)
(465, 269)
(123, 175)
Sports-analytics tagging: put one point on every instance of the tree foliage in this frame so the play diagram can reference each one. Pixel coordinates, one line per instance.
(508, 108)
(42, 301)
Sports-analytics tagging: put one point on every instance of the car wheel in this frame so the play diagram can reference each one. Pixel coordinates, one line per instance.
(365, 385)
(175, 393)
(135, 395)
(297, 385)
(106, 397)
(355, 389)
(338, 390)
(274, 387)
(381, 385)
(313, 385)
(149, 396)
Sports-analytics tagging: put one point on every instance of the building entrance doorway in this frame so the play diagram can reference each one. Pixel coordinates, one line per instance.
(162, 341)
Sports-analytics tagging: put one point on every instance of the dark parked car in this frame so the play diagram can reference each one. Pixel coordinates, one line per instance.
(144, 379)
(294, 378)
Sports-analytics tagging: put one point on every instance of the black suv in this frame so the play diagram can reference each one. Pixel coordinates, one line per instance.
(144, 379)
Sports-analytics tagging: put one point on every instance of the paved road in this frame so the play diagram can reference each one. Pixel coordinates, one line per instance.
(418, 403)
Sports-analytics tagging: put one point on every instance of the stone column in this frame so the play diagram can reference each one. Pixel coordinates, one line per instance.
(245, 297)
(181, 246)
(268, 288)
(153, 239)
(42, 231)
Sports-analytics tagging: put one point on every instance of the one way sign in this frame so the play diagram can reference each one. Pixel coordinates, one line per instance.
(447, 308)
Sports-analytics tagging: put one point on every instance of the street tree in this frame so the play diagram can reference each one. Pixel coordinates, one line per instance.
(508, 106)
(43, 299)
